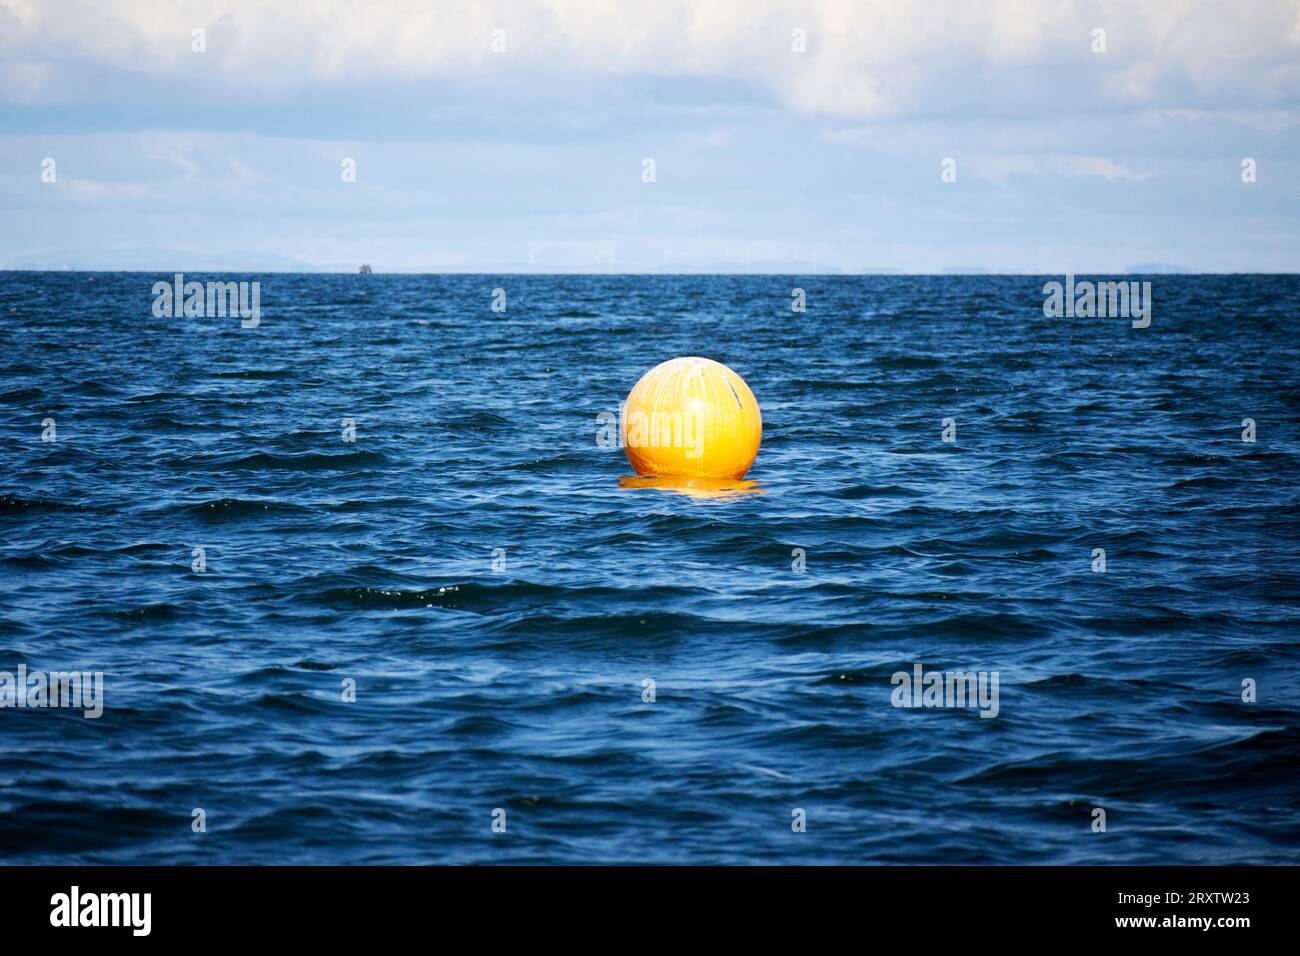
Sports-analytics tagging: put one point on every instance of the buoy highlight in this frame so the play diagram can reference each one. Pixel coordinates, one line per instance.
(691, 417)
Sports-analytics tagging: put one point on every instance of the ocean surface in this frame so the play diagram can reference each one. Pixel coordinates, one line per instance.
(472, 566)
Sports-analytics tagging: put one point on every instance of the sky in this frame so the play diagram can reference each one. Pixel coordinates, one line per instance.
(855, 136)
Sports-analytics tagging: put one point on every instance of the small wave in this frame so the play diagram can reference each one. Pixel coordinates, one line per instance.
(56, 825)
(290, 703)
(259, 373)
(12, 504)
(1204, 481)
(907, 361)
(20, 395)
(150, 548)
(148, 612)
(313, 461)
(372, 598)
(221, 509)
(150, 397)
(857, 492)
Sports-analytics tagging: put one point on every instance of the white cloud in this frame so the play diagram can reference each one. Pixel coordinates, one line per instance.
(175, 157)
(1264, 121)
(96, 191)
(244, 174)
(479, 159)
(1094, 166)
(865, 58)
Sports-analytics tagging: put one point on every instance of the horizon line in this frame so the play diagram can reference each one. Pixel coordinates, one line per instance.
(490, 272)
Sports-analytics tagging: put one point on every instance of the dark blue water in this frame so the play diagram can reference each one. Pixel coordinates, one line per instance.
(521, 688)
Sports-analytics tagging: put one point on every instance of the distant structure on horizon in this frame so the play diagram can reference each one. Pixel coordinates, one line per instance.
(365, 270)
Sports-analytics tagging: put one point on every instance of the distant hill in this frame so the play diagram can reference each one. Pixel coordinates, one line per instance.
(1157, 269)
(143, 259)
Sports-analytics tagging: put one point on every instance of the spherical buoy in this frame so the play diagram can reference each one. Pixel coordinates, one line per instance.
(691, 418)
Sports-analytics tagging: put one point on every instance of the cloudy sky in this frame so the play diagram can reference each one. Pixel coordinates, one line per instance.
(511, 135)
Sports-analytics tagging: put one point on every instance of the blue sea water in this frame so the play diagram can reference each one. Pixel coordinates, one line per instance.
(520, 685)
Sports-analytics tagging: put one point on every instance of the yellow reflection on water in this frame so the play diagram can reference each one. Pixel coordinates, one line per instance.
(694, 487)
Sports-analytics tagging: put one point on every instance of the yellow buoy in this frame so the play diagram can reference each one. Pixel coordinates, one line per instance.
(691, 418)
